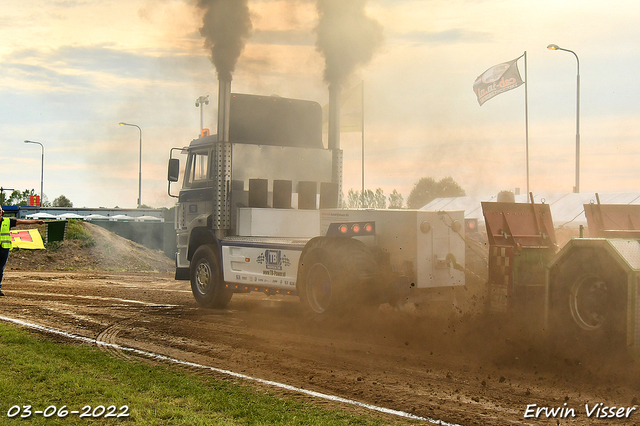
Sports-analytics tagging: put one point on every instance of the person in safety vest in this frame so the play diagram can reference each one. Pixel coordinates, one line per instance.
(5, 238)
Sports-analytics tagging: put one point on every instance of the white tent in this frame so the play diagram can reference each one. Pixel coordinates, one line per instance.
(91, 217)
(122, 218)
(70, 216)
(41, 216)
(567, 209)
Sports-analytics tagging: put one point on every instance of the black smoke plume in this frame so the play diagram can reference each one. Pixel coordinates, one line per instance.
(226, 25)
(347, 37)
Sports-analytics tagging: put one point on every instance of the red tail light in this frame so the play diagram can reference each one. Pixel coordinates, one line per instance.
(351, 229)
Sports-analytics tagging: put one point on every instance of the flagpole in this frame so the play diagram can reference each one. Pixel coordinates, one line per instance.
(526, 117)
(487, 86)
(362, 116)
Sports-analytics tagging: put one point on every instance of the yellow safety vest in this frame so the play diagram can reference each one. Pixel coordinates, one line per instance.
(5, 235)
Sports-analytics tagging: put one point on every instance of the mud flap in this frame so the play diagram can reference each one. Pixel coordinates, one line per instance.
(182, 274)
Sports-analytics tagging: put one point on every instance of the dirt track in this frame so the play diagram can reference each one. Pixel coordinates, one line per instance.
(453, 370)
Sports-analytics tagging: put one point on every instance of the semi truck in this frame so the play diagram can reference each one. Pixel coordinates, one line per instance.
(259, 210)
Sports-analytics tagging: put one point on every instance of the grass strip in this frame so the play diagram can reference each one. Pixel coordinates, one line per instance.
(38, 372)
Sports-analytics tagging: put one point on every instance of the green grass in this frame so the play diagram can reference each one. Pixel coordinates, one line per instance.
(40, 372)
(75, 231)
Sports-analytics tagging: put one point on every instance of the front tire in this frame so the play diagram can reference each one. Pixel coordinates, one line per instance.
(207, 284)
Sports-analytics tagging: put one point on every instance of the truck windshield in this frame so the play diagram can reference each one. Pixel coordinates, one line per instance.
(197, 173)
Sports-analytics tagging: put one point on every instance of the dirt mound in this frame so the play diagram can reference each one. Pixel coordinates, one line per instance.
(110, 252)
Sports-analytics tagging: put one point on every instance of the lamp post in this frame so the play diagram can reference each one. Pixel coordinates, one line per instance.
(200, 102)
(139, 163)
(41, 171)
(556, 47)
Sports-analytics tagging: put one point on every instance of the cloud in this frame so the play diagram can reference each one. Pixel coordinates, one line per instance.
(41, 74)
(70, 68)
(454, 35)
(283, 37)
(69, 4)
(72, 97)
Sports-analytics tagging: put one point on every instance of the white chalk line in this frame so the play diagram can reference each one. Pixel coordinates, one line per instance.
(228, 373)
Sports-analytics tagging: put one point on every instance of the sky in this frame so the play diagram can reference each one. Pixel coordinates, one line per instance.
(71, 70)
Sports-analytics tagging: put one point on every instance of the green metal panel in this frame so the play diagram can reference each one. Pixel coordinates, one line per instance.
(55, 230)
(625, 253)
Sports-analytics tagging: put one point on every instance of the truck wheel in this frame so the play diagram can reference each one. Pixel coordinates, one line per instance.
(589, 302)
(333, 274)
(588, 305)
(207, 284)
(319, 286)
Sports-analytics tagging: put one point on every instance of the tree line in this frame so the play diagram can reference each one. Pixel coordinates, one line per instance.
(23, 198)
(424, 191)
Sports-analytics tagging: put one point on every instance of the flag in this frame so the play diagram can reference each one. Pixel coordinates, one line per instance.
(350, 111)
(497, 79)
(26, 239)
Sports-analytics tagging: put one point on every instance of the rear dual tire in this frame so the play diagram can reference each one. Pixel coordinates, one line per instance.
(336, 276)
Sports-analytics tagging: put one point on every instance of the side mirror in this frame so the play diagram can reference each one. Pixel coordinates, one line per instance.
(174, 170)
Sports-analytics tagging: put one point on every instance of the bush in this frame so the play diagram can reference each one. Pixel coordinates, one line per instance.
(76, 231)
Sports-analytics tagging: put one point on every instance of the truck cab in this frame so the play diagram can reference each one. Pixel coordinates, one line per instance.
(258, 188)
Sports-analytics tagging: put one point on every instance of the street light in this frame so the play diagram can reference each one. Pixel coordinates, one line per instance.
(200, 102)
(139, 163)
(556, 47)
(41, 171)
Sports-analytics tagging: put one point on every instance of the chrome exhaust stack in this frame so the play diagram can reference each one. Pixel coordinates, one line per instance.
(334, 138)
(221, 222)
(224, 108)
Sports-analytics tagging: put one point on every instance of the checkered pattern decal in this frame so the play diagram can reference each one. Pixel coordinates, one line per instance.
(500, 277)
